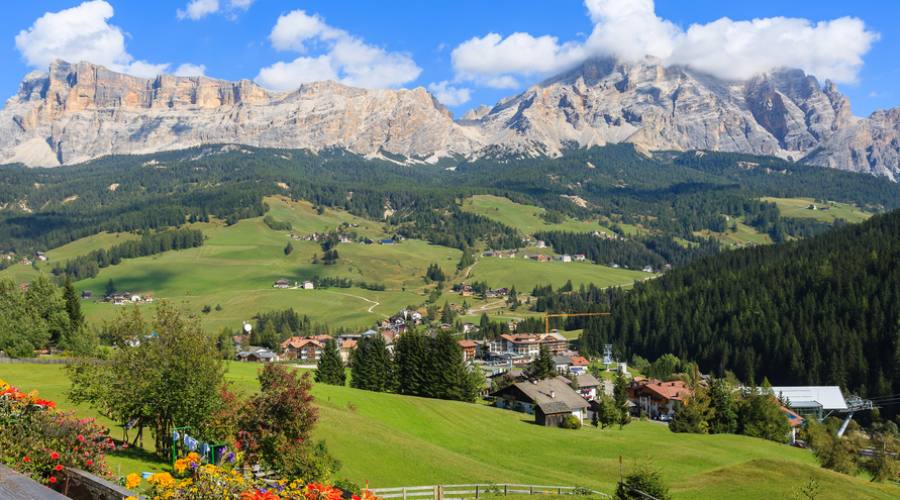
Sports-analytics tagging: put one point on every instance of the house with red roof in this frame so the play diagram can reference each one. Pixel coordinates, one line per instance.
(304, 349)
(658, 399)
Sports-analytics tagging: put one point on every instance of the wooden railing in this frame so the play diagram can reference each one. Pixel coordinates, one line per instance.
(449, 491)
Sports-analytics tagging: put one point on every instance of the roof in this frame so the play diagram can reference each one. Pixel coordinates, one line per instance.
(675, 389)
(549, 391)
(300, 342)
(561, 360)
(828, 396)
(584, 380)
(579, 361)
(467, 344)
(521, 338)
(348, 344)
(554, 407)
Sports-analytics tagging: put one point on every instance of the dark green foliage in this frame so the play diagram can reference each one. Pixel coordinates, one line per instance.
(571, 422)
(543, 366)
(620, 397)
(73, 305)
(330, 368)
(642, 483)
(371, 366)
(466, 260)
(723, 418)
(225, 343)
(818, 311)
(759, 415)
(433, 367)
(287, 323)
(330, 257)
(277, 225)
(31, 319)
(694, 414)
(434, 273)
(288, 248)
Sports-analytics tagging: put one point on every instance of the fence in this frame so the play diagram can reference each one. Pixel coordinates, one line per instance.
(37, 361)
(448, 491)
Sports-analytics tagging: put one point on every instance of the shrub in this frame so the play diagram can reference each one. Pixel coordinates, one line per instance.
(571, 422)
(641, 483)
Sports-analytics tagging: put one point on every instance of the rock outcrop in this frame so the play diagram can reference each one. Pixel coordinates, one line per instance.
(78, 112)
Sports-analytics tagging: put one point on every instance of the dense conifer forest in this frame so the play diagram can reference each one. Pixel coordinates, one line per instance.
(825, 310)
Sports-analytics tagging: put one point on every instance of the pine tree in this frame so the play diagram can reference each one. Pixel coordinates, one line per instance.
(288, 248)
(543, 366)
(110, 287)
(693, 415)
(620, 396)
(330, 369)
(372, 367)
(410, 356)
(723, 418)
(447, 314)
(73, 305)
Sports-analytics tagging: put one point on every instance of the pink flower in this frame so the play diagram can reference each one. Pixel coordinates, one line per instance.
(52, 480)
(81, 438)
(54, 455)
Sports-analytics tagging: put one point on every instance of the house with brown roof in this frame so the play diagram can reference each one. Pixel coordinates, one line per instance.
(585, 384)
(528, 345)
(304, 349)
(347, 348)
(550, 400)
(658, 399)
(469, 349)
(578, 364)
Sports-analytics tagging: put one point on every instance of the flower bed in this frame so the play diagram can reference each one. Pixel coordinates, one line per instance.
(39, 440)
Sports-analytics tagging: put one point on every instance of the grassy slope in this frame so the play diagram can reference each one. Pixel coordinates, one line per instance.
(393, 440)
(797, 208)
(524, 274)
(238, 264)
(525, 218)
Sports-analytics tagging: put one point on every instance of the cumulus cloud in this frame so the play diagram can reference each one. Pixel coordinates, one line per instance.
(188, 69)
(630, 30)
(448, 94)
(81, 33)
(340, 56)
(198, 9)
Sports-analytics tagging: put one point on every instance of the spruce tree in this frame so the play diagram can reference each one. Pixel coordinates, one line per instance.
(543, 366)
(330, 368)
(73, 305)
(411, 358)
(620, 396)
(372, 366)
(723, 418)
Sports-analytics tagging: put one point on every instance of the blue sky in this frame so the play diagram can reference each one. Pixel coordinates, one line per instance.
(448, 45)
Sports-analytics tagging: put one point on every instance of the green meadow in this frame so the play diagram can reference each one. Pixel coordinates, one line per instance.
(390, 440)
(799, 208)
(238, 264)
(525, 218)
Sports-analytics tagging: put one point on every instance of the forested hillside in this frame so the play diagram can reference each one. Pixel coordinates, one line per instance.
(825, 310)
(668, 195)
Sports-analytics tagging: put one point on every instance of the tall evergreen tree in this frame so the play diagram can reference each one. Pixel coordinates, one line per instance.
(372, 367)
(620, 396)
(543, 366)
(723, 418)
(73, 305)
(411, 358)
(330, 368)
(447, 373)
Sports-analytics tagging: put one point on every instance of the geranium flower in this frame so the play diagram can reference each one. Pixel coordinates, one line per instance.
(54, 455)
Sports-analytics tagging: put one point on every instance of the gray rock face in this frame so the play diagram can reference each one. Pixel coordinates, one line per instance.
(785, 113)
(79, 112)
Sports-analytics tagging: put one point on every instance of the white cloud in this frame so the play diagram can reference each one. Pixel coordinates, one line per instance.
(630, 30)
(289, 75)
(341, 57)
(78, 34)
(188, 69)
(448, 94)
(198, 9)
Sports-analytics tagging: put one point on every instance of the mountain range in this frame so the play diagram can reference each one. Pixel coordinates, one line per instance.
(78, 112)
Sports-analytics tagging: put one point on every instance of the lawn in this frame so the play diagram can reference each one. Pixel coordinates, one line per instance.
(742, 235)
(525, 274)
(390, 440)
(525, 218)
(799, 208)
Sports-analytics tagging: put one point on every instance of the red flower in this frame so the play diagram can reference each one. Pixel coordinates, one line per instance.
(58, 467)
(52, 480)
(89, 462)
(27, 459)
(81, 438)
(54, 455)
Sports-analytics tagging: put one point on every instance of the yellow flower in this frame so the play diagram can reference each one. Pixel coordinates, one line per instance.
(162, 479)
(132, 480)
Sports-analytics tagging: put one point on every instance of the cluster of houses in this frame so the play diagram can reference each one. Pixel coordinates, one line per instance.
(298, 285)
(578, 257)
(124, 298)
(467, 290)
(25, 260)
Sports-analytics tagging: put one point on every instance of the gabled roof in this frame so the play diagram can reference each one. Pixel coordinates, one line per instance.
(579, 361)
(554, 407)
(829, 397)
(300, 343)
(549, 391)
(675, 389)
(467, 344)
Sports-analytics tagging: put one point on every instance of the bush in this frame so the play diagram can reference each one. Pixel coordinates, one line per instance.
(641, 483)
(571, 422)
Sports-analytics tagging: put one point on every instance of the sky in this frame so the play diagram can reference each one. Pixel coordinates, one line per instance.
(466, 52)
